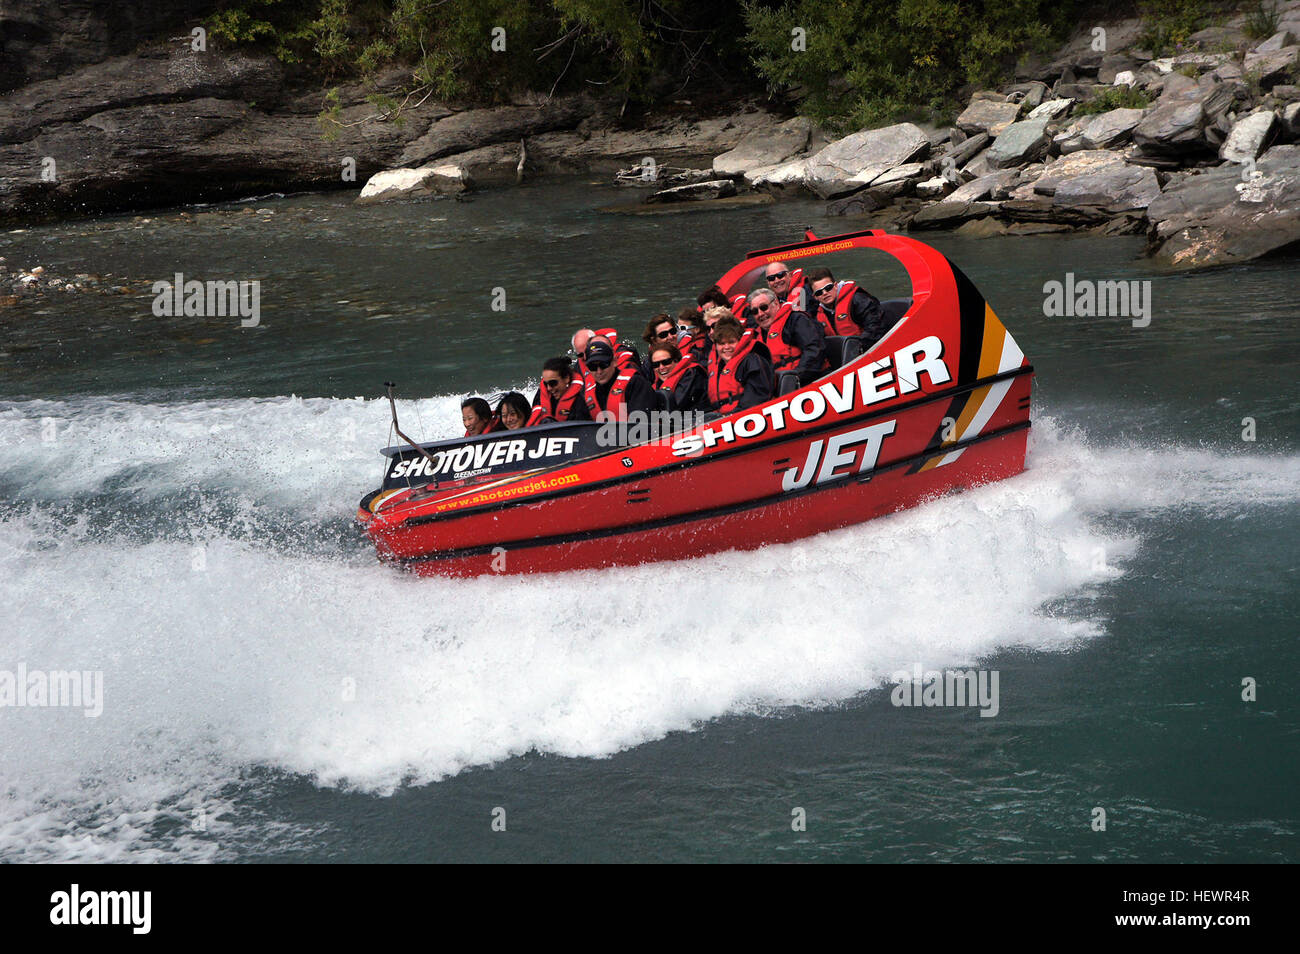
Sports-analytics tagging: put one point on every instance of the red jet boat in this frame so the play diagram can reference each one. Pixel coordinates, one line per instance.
(940, 403)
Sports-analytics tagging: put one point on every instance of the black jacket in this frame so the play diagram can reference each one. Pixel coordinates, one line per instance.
(804, 333)
(691, 393)
(866, 312)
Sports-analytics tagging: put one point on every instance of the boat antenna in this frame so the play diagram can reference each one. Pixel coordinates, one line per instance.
(390, 386)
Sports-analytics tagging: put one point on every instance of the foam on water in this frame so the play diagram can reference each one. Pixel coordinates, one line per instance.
(225, 653)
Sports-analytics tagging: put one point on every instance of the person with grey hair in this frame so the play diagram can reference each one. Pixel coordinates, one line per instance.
(795, 342)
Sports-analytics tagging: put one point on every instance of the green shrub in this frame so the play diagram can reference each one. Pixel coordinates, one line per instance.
(874, 61)
(1262, 21)
(1117, 97)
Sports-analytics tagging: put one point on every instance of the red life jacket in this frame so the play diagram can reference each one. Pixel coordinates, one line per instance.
(724, 389)
(492, 425)
(738, 304)
(617, 391)
(674, 377)
(783, 355)
(623, 355)
(798, 294)
(539, 416)
(843, 323)
(561, 409)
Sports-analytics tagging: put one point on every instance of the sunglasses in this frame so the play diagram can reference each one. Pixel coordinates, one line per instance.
(763, 307)
(686, 329)
(662, 364)
(598, 365)
(823, 290)
(777, 277)
(551, 382)
(665, 334)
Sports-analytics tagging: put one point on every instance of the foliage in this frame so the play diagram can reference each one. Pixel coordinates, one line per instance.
(1168, 24)
(871, 61)
(1262, 21)
(1117, 97)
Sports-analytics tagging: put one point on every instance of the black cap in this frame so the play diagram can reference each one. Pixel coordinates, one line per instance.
(599, 349)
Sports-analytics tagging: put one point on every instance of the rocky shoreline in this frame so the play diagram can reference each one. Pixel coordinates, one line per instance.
(1200, 151)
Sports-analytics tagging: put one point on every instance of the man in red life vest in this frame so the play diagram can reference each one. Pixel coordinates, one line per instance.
(789, 287)
(845, 309)
(740, 373)
(795, 343)
(617, 390)
(560, 396)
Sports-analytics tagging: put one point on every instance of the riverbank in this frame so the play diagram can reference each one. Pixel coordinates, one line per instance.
(1196, 150)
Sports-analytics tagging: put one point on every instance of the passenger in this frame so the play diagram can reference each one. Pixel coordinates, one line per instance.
(625, 356)
(741, 375)
(476, 415)
(693, 334)
(680, 381)
(578, 345)
(795, 343)
(513, 411)
(789, 286)
(609, 387)
(660, 330)
(715, 314)
(710, 297)
(560, 396)
(845, 309)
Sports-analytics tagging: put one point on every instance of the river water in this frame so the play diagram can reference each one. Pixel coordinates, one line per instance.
(176, 501)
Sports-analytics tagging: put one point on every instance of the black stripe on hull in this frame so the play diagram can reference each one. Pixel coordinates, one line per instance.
(971, 306)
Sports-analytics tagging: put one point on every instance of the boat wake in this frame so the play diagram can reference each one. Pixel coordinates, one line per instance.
(201, 556)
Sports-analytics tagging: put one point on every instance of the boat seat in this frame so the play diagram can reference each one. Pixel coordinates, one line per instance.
(852, 349)
(786, 381)
(895, 308)
(835, 350)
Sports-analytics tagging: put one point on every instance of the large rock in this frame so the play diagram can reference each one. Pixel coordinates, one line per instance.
(765, 147)
(1110, 129)
(848, 164)
(1249, 136)
(473, 128)
(1020, 143)
(946, 215)
(995, 185)
(984, 115)
(908, 171)
(783, 177)
(1275, 42)
(414, 183)
(695, 191)
(1220, 218)
(1291, 120)
(1178, 123)
(1087, 163)
(1052, 109)
(1272, 67)
(1116, 189)
(961, 152)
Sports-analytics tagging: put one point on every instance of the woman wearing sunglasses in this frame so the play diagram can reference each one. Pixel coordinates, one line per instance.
(680, 382)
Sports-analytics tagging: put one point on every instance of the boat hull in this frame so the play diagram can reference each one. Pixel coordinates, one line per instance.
(847, 500)
(941, 403)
